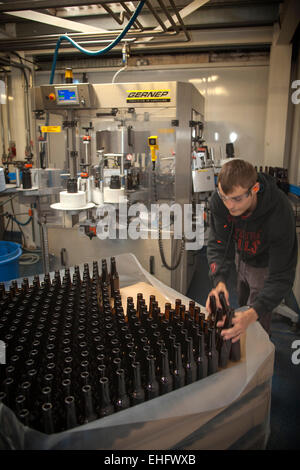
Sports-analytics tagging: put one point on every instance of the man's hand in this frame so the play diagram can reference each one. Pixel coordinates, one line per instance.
(219, 288)
(241, 321)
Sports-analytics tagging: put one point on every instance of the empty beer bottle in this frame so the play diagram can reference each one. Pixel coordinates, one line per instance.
(201, 358)
(70, 412)
(106, 407)
(114, 277)
(165, 379)
(192, 309)
(137, 394)
(152, 385)
(213, 311)
(227, 346)
(212, 353)
(47, 418)
(190, 364)
(178, 369)
(122, 400)
(89, 412)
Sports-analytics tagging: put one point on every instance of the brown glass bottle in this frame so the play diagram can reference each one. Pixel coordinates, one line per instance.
(48, 418)
(165, 378)
(89, 412)
(137, 394)
(114, 277)
(70, 412)
(178, 369)
(122, 400)
(189, 363)
(201, 358)
(212, 353)
(151, 385)
(106, 407)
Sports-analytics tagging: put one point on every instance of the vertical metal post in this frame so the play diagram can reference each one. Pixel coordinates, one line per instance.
(45, 247)
(71, 143)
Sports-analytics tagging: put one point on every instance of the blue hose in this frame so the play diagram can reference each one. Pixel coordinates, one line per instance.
(95, 53)
(11, 217)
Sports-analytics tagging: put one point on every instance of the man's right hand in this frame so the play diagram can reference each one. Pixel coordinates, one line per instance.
(221, 287)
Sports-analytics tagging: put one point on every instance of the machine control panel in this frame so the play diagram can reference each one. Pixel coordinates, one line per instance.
(65, 96)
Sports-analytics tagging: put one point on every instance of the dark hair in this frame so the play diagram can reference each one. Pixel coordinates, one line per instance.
(237, 172)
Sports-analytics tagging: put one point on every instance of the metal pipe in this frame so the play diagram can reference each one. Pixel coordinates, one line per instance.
(180, 20)
(129, 13)
(45, 245)
(169, 17)
(156, 16)
(44, 4)
(49, 41)
(71, 144)
(112, 14)
(7, 108)
(2, 133)
(26, 103)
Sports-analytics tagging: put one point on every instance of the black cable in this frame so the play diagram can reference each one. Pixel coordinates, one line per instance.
(160, 243)
(27, 60)
(22, 233)
(5, 230)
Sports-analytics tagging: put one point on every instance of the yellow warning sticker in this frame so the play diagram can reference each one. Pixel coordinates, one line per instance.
(51, 128)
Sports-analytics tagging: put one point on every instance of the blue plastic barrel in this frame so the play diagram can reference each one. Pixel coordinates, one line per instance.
(10, 253)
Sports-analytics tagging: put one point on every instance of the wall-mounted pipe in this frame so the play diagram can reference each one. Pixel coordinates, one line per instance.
(23, 68)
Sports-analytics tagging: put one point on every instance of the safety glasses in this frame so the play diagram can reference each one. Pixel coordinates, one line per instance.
(235, 198)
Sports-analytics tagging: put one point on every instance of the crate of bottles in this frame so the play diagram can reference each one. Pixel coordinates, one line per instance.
(76, 351)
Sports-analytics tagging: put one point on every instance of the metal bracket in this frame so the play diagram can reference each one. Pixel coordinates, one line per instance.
(113, 112)
(69, 124)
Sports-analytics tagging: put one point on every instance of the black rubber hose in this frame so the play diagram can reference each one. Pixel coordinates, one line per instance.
(160, 243)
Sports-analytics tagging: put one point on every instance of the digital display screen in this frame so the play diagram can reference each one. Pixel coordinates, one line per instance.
(66, 95)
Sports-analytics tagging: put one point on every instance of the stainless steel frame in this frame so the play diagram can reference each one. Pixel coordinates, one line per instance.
(171, 122)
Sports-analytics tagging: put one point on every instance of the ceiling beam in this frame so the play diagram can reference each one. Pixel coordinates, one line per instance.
(44, 4)
(55, 21)
(184, 12)
(289, 22)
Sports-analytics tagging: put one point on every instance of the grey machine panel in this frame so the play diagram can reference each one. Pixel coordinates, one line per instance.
(64, 96)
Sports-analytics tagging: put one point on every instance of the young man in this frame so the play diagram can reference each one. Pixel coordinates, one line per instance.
(252, 223)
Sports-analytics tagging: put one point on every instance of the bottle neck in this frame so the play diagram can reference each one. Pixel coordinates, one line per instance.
(137, 381)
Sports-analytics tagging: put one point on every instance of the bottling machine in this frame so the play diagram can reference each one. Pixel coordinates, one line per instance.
(118, 145)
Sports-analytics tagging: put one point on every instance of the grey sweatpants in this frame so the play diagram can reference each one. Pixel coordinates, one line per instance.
(250, 282)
